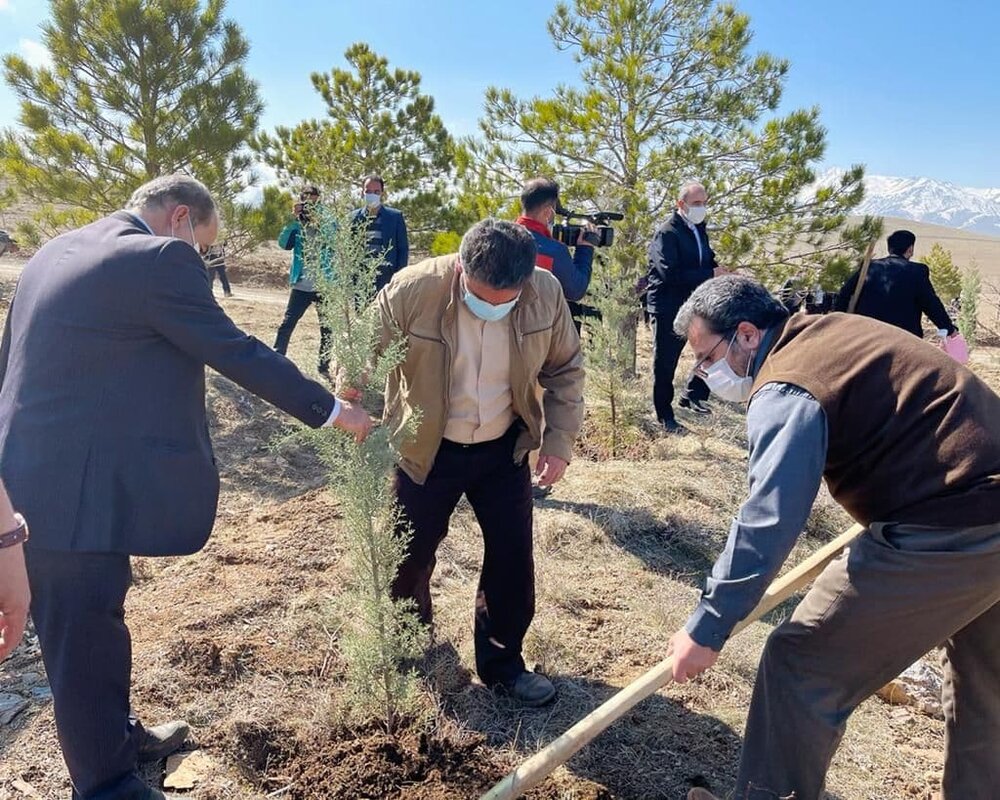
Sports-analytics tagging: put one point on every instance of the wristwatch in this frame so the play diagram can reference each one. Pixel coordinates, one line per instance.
(16, 536)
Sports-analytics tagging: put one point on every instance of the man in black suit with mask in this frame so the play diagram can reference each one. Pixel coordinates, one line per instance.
(680, 260)
(104, 446)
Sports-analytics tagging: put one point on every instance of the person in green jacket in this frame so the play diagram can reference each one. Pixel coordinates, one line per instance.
(303, 293)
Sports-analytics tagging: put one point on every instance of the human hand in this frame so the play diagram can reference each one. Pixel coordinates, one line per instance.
(690, 658)
(353, 419)
(719, 271)
(15, 597)
(587, 227)
(344, 388)
(550, 469)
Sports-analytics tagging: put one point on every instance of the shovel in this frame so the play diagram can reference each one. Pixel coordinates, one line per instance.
(537, 768)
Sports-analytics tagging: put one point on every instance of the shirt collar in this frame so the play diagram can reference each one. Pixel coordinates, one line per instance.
(766, 343)
(534, 225)
(141, 222)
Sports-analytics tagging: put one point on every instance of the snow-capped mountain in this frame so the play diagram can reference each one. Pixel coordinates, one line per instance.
(927, 200)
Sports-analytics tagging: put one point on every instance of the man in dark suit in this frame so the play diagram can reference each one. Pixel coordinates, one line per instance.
(680, 259)
(104, 446)
(897, 290)
(387, 237)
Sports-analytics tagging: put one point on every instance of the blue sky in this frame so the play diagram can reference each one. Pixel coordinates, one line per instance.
(908, 88)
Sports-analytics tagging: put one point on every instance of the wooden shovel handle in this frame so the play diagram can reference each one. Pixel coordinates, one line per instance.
(533, 771)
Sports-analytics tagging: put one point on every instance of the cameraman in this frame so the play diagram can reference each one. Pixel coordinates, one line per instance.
(303, 293)
(539, 200)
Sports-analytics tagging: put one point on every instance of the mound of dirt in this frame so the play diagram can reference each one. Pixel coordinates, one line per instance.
(415, 765)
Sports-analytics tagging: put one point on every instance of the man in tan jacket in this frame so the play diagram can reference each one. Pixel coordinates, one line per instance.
(482, 329)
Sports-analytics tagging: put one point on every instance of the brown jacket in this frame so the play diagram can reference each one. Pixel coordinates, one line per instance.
(913, 437)
(421, 303)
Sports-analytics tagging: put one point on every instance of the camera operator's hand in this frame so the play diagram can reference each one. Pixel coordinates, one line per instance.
(587, 227)
(720, 271)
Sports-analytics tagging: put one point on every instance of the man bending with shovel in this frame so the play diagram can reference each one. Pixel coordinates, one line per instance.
(909, 444)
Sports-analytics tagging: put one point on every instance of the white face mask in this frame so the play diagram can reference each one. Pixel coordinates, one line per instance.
(373, 200)
(695, 214)
(724, 382)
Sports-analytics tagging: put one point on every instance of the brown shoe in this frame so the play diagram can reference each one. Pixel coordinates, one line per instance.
(697, 793)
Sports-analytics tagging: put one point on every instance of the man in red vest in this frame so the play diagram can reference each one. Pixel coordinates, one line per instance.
(539, 201)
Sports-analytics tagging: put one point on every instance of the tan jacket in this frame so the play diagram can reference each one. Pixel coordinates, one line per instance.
(421, 303)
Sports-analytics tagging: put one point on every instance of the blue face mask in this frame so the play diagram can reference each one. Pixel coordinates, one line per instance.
(487, 312)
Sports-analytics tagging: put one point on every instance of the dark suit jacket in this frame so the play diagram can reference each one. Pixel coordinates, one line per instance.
(897, 291)
(390, 223)
(675, 270)
(104, 442)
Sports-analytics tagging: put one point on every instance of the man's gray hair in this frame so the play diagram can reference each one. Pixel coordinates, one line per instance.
(689, 186)
(169, 191)
(501, 254)
(724, 302)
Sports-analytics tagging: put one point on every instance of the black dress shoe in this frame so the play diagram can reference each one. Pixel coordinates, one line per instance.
(163, 740)
(673, 427)
(697, 406)
(540, 492)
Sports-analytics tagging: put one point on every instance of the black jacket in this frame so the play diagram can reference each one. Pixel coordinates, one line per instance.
(104, 441)
(897, 291)
(675, 269)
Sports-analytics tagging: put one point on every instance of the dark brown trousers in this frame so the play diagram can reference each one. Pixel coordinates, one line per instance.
(499, 491)
(899, 592)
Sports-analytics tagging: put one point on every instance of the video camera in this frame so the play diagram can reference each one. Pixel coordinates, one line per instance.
(569, 234)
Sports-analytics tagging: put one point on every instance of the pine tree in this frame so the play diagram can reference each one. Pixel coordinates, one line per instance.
(137, 89)
(946, 278)
(669, 90)
(380, 634)
(968, 315)
(378, 121)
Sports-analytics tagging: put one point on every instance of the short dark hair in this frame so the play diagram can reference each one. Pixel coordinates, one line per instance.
(724, 302)
(308, 191)
(501, 254)
(374, 177)
(539, 192)
(900, 241)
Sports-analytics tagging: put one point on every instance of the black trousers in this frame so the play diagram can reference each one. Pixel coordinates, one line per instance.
(221, 272)
(666, 353)
(298, 302)
(78, 606)
(499, 492)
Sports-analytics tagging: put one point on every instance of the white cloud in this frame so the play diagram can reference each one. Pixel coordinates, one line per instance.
(263, 176)
(35, 53)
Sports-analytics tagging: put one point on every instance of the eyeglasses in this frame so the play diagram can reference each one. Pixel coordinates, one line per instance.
(708, 355)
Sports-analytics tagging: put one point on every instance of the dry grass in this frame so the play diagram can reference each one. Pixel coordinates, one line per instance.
(241, 639)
